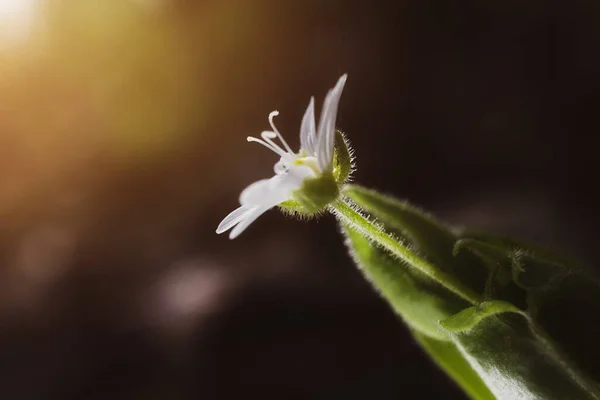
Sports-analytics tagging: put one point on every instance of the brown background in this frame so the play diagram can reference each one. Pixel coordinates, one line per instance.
(122, 146)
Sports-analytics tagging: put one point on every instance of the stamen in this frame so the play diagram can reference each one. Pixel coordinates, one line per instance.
(271, 116)
(269, 146)
(267, 136)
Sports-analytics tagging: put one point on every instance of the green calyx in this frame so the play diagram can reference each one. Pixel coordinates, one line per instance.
(317, 193)
(343, 159)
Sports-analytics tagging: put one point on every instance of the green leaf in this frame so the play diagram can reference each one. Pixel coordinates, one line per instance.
(511, 244)
(559, 295)
(532, 271)
(349, 214)
(494, 259)
(569, 312)
(468, 318)
(525, 268)
(515, 358)
(449, 359)
(510, 351)
(420, 302)
(429, 236)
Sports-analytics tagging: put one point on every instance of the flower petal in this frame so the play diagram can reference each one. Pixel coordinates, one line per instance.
(290, 181)
(233, 218)
(308, 130)
(326, 132)
(251, 217)
(255, 193)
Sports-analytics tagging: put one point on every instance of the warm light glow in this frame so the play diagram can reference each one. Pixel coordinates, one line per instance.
(16, 18)
(14, 8)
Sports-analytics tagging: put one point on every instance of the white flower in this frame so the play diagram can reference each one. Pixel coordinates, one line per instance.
(314, 158)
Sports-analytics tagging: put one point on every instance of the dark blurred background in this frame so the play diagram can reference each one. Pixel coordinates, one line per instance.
(122, 146)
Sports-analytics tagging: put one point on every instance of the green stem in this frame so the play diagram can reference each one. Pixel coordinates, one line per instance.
(348, 214)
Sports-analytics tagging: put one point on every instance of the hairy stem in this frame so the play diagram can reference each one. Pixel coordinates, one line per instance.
(349, 214)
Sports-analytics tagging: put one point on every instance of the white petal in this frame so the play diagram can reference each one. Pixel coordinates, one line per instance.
(233, 218)
(308, 130)
(326, 132)
(255, 193)
(262, 195)
(295, 177)
(277, 189)
(241, 227)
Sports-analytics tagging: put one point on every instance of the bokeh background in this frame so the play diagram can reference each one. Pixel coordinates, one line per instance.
(122, 146)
